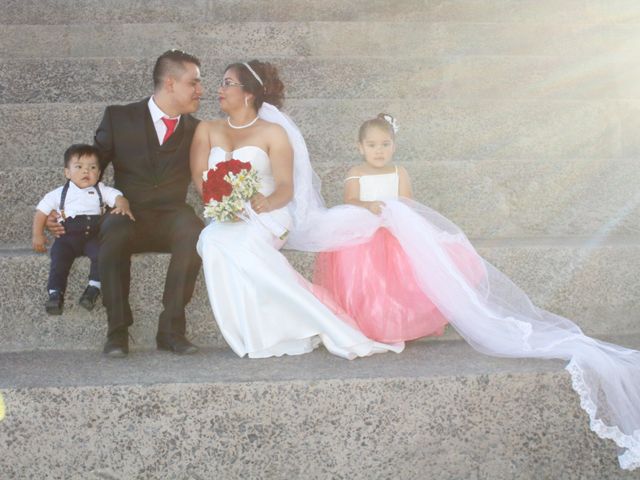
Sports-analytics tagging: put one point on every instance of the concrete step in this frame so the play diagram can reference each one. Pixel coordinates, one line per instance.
(120, 11)
(479, 97)
(455, 129)
(437, 409)
(515, 199)
(488, 199)
(325, 38)
(103, 79)
(431, 77)
(596, 286)
(485, 11)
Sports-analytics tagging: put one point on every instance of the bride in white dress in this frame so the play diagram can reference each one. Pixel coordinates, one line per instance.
(263, 307)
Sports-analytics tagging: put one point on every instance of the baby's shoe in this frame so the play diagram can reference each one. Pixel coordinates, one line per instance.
(55, 303)
(89, 297)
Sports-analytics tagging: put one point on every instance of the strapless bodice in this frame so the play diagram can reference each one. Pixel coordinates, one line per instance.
(255, 155)
(378, 187)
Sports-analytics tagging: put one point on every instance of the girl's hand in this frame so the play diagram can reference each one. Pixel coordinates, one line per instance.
(260, 203)
(375, 207)
(123, 208)
(39, 243)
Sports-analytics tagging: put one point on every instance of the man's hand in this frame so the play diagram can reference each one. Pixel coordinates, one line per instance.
(39, 243)
(56, 229)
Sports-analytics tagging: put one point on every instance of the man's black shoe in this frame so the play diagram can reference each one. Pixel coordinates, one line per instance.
(117, 344)
(55, 303)
(175, 343)
(89, 297)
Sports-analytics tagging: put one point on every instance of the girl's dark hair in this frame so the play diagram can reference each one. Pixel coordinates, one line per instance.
(273, 89)
(381, 122)
(80, 150)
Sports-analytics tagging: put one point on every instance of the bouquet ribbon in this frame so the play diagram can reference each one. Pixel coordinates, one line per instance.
(265, 219)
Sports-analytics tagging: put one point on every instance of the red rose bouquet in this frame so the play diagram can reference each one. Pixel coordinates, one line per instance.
(226, 188)
(226, 191)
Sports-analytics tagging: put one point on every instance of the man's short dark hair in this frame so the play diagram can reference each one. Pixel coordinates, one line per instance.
(80, 150)
(171, 62)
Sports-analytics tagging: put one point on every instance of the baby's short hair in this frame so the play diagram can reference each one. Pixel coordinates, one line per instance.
(80, 150)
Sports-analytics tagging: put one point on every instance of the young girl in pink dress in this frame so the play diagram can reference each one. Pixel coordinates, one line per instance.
(374, 282)
(403, 271)
(399, 270)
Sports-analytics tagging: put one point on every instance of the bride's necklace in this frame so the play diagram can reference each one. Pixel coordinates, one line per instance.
(246, 125)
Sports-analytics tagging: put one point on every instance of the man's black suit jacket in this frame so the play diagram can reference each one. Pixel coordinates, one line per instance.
(125, 139)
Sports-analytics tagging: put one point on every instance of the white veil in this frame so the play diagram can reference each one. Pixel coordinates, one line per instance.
(486, 308)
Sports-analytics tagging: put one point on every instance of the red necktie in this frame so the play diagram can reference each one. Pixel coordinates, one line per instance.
(171, 127)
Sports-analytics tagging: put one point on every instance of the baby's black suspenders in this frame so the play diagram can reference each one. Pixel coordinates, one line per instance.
(63, 197)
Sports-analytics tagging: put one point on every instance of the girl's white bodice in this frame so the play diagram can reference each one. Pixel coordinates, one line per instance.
(378, 187)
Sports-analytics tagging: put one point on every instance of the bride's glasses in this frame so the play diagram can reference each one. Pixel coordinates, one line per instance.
(226, 83)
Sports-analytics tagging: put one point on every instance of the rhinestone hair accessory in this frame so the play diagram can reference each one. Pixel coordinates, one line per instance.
(256, 76)
(391, 121)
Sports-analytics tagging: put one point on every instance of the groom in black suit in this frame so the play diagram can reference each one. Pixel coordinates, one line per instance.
(148, 144)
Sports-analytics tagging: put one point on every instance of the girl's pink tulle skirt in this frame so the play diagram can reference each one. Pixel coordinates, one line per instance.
(375, 285)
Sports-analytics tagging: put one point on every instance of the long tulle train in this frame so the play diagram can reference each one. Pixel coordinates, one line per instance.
(497, 318)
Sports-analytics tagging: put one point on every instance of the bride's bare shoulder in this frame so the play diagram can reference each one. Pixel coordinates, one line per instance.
(273, 129)
(213, 125)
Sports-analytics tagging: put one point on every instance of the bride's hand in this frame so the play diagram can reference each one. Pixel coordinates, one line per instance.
(260, 203)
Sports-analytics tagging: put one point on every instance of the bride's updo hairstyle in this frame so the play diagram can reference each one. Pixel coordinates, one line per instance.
(272, 88)
(383, 121)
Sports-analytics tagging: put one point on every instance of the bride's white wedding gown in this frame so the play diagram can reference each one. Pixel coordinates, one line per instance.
(262, 305)
(265, 308)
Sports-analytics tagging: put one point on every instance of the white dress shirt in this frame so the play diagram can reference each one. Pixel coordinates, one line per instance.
(156, 117)
(79, 201)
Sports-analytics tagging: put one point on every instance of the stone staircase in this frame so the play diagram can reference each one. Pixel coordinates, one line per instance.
(518, 121)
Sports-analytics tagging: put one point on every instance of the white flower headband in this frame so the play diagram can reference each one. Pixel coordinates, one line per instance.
(391, 121)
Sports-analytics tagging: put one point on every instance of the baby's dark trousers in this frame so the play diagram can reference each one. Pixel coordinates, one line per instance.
(80, 238)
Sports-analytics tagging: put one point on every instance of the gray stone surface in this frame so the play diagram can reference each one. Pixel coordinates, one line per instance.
(488, 199)
(325, 38)
(29, 327)
(519, 121)
(100, 80)
(74, 368)
(37, 134)
(477, 11)
(532, 107)
(122, 11)
(428, 77)
(438, 409)
(597, 287)
(513, 199)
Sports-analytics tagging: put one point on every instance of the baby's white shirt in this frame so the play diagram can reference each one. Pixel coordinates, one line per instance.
(79, 201)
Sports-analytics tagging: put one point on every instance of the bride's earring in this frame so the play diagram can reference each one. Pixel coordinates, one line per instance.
(246, 103)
